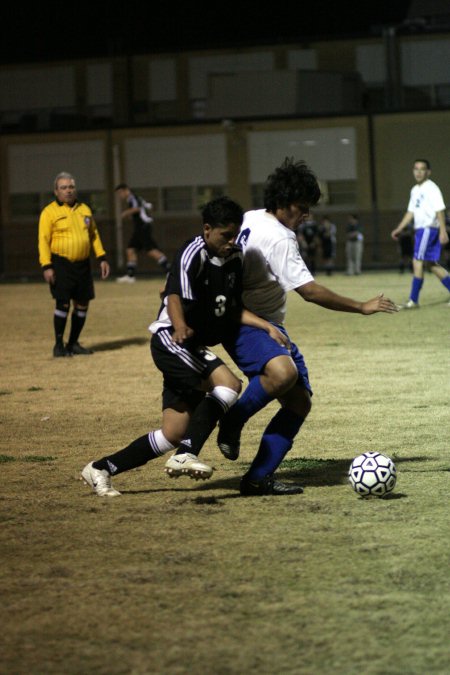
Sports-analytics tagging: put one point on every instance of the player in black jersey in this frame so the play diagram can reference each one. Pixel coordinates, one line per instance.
(142, 237)
(201, 305)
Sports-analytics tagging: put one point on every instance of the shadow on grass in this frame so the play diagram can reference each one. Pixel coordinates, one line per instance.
(424, 306)
(118, 344)
(323, 472)
(306, 472)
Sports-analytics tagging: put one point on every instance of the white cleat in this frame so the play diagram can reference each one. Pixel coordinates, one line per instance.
(100, 481)
(409, 305)
(126, 280)
(187, 464)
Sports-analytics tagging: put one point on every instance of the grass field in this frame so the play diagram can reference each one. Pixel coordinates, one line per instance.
(179, 577)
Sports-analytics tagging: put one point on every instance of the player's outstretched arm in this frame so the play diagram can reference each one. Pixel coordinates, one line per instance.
(323, 296)
(379, 304)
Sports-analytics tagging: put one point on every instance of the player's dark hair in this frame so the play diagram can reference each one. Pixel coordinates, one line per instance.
(121, 186)
(222, 211)
(424, 161)
(291, 183)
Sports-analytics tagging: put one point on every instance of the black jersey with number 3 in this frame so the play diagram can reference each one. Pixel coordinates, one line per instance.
(210, 289)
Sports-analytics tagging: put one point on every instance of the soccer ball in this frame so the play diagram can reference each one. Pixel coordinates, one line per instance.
(372, 474)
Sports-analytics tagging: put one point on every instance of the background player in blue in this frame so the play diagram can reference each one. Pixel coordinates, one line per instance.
(142, 237)
(426, 209)
(272, 267)
(202, 301)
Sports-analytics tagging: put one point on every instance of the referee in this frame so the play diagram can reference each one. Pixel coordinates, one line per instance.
(67, 233)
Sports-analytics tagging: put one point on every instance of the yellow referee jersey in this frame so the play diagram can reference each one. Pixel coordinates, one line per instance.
(68, 231)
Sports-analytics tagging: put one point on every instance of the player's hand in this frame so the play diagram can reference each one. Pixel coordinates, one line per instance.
(394, 234)
(104, 269)
(379, 304)
(49, 275)
(278, 336)
(181, 334)
(443, 238)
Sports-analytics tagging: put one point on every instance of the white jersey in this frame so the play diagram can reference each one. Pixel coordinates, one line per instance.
(272, 265)
(424, 201)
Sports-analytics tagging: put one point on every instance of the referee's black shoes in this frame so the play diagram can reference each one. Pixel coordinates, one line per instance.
(76, 348)
(268, 486)
(60, 350)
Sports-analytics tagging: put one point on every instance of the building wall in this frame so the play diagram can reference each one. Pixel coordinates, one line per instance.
(363, 164)
(394, 71)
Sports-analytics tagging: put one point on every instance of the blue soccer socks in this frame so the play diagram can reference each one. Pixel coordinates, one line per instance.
(276, 442)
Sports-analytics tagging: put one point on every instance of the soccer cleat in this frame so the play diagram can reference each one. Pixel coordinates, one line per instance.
(60, 350)
(267, 486)
(126, 279)
(187, 464)
(409, 305)
(229, 438)
(100, 481)
(76, 349)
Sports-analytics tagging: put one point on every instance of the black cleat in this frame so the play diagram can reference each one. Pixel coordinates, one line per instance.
(60, 350)
(229, 438)
(268, 486)
(76, 349)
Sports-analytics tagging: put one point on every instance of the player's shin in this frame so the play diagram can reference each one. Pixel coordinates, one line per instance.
(137, 453)
(276, 442)
(205, 417)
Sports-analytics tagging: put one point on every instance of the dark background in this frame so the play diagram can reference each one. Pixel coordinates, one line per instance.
(58, 31)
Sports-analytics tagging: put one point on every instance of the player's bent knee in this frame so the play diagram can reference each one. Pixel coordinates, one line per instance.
(282, 373)
(306, 407)
(160, 443)
(298, 400)
(226, 396)
(62, 306)
(230, 382)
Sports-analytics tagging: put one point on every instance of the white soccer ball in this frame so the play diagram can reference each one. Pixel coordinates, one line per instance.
(372, 474)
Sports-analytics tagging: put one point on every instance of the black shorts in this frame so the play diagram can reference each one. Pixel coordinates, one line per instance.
(142, 239)
(184, 367)
(327, 249)
(406, 246)
(73, 280)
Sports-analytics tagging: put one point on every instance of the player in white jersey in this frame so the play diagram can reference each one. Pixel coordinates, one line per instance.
(426, 209)
(273, 266)
(201, 303)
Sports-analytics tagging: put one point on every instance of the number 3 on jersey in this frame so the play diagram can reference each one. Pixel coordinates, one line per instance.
(220, 305)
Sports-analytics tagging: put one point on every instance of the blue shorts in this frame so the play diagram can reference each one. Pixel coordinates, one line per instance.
(427, 245)
(252, 348)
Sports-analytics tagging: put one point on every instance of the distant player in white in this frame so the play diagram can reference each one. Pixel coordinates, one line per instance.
(273, 266)
(427, 209)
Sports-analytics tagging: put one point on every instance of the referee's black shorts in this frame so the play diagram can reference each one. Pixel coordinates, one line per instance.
(73, 280)
(184, 367)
